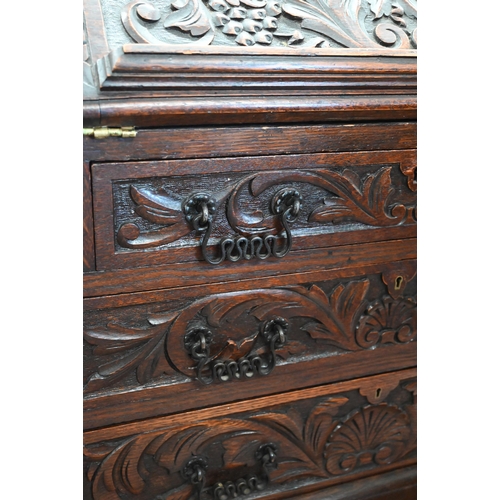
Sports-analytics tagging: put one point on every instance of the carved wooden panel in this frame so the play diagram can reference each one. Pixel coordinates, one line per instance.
(145, 215)
(329, 434)
(147, 345)
(370, 24)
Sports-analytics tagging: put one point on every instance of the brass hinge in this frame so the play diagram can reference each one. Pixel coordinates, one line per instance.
(104, 132)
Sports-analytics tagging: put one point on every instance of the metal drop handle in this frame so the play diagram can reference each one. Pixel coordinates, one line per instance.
(196, 468)
(200, 209)
(197, 343)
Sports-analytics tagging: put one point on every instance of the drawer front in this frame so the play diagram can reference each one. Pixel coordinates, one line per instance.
(261, 448)
(221, 210)
(247, 341)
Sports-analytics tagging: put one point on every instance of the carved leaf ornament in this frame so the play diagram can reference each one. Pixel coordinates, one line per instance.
(342, 319)
(350, 198)
(332, 439)
(290, 23)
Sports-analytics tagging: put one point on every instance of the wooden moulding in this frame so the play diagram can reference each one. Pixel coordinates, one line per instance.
(148, 86)
(162, 84)
(239, 109)
(147, 67)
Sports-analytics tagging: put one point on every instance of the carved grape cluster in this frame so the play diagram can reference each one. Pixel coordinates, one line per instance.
(251, 21)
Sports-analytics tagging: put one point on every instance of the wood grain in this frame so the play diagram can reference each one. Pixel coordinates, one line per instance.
(319, 178)
(164, 144)
(95, 29)
(209, 110)
(113, 409)
(266, 67)
(88, 222)
(400, 484)
(364, 384)
(132, 347)
(138, 298)
(329, 434)
(305, 261)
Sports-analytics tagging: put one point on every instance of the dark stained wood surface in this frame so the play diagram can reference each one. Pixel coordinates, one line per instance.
(205, 142)
(187, 292)
(240, 110)
(88, 222)
(134, 348)
(305, 261)
(132, 405)
(144, 68)
(367, 385)
(368, 185)
(400, 484)
(330, 434)
(349, 297)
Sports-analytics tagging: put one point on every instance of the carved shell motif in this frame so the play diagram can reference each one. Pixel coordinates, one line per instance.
(372, 435)
(316, 444)
(388, 321)
(279, 23)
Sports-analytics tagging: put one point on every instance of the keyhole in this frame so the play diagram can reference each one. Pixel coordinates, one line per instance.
(378, 392)
(398, 283)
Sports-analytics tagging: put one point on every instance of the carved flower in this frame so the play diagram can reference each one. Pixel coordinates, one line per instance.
(251, 21)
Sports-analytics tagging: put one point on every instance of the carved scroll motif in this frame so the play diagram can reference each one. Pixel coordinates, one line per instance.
(349, 198)
(342, 320)
(335, 435)
(288, 23)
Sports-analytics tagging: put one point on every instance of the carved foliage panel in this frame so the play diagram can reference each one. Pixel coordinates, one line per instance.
(161, 342)
(371, 24)
(156, 213)
(328, 437)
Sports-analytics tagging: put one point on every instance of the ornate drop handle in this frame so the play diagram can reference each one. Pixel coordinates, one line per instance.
(197, 342)
(197, 466)
(200, 209)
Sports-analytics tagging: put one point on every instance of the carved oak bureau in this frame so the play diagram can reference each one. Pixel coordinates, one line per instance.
(250, 212)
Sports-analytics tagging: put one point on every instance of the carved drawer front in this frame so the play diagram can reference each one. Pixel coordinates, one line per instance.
(189, 349)
(226, 210)
(260, 448)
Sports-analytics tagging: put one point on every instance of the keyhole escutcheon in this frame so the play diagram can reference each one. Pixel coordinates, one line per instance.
(398, 282)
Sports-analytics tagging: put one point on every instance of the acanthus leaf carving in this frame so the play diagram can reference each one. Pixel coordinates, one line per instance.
(320, 422)
(341, 309)
(158, 209)
(344, 23)
(192, 16)
(367, 201)
(343, 319)
(129, 349)
(360, 201)
(337, 19)
(332, 437)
